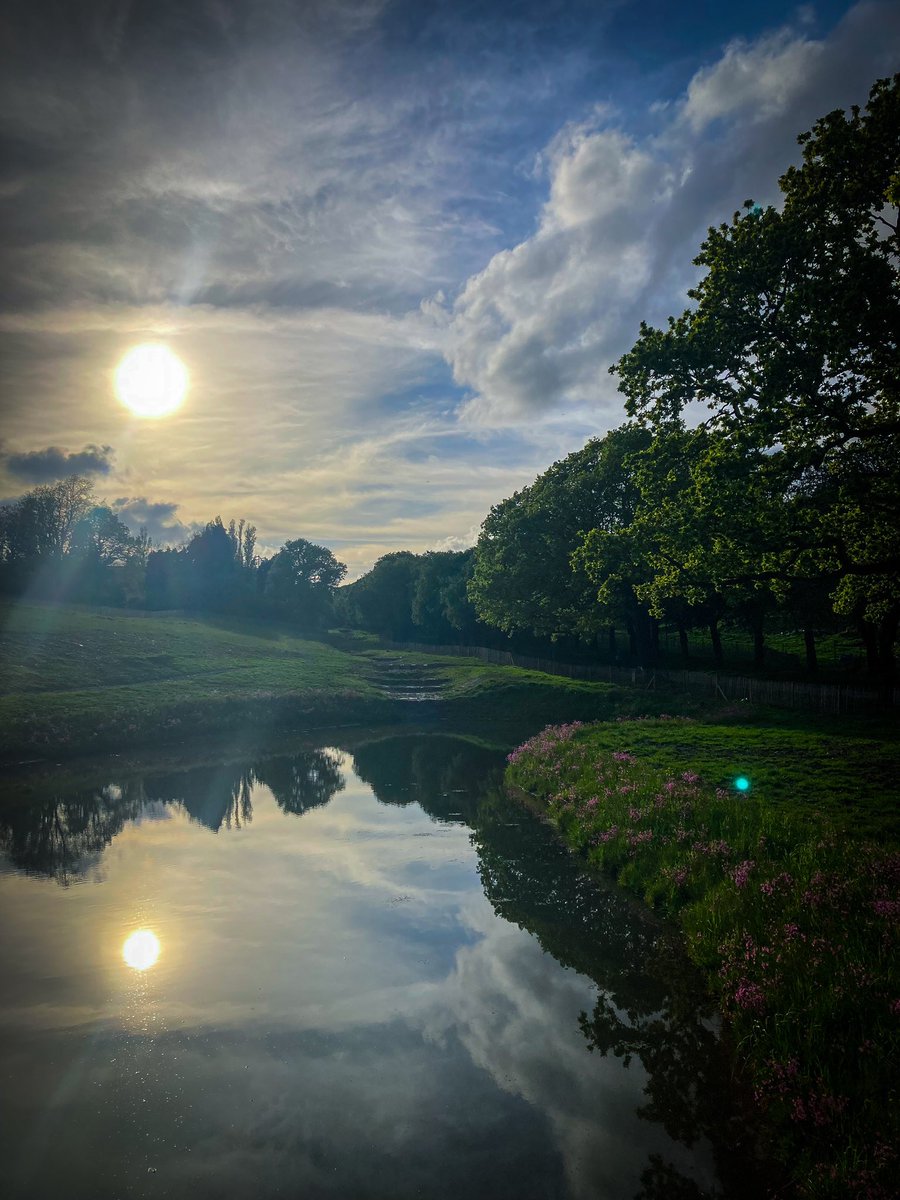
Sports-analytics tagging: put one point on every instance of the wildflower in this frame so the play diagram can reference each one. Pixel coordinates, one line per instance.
(741, 874)
(623, 756)
(750, 997)
(779, 883)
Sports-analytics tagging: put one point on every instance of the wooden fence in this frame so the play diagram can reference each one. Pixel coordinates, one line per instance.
(782, 693)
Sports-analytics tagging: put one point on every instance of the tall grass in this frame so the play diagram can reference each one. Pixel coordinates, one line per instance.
(796, 926)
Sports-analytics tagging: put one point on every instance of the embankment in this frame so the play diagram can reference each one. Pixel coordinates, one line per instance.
(776, 850)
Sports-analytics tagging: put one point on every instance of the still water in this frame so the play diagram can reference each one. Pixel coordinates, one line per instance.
(342, 972)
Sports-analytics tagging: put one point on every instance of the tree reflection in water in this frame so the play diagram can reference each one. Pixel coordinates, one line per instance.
(649, 1005)
(61, 837)
(302, 781)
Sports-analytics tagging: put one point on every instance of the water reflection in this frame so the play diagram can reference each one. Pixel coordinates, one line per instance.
(432, 970)
(61, 836)
(141, 949)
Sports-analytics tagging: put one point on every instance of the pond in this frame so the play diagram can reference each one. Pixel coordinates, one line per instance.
(361, 971)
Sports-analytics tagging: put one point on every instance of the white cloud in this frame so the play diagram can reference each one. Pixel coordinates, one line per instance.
(762, 79)
(538, 327)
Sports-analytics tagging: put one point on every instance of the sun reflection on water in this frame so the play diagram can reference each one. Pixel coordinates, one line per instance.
(141, 949)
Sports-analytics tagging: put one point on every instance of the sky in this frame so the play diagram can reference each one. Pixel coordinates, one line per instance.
(396, 244)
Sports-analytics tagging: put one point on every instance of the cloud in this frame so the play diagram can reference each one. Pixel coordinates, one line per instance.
(761, 79)
(53, 462)
(158, 518)
(456, 542)
(538, 327)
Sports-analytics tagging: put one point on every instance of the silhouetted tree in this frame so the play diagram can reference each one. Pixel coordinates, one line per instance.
(300, 581)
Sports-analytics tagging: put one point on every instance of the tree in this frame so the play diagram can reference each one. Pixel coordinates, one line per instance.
(440, 609)
(212, 570)
(381, 600)
(301, 579)
(525, 576)
(792, 347)
(40, 525)
(100, 549)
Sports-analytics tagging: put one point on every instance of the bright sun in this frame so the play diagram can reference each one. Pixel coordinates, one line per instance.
(141, 950)
(151, 380)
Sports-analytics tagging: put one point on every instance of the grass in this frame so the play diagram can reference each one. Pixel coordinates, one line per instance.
(78, 681)
(789, 898)
(807, 768)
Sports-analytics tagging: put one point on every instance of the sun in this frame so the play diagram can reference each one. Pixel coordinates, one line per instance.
(141, 950)
(151, 380)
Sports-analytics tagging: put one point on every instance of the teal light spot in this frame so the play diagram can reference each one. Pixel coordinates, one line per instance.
(742, 783)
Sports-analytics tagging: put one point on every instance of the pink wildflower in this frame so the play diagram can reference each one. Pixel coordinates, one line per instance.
(741, 874)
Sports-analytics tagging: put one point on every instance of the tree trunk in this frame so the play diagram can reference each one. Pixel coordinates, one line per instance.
(644, 632)
(612, 643)
(632, 639)
(887, 633)
(714, 634)
(683, 643)
(869, 636)
(759, 645)
(809, 641)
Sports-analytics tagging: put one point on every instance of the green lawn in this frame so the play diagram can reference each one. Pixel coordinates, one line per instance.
(789, 898)
(847, 771)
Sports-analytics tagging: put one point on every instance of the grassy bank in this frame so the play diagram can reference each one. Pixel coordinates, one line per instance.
(789, 897)
(78, 681)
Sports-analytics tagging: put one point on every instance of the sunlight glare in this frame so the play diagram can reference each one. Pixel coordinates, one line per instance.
(151, 380)
(141, 949)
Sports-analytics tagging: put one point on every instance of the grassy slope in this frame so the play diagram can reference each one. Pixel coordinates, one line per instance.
(77, 680)
(804, 766)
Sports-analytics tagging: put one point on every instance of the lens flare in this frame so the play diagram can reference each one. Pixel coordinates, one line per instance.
(141, 949)
(742, 783)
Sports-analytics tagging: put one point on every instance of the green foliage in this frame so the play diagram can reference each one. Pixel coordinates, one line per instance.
(414, 597)
(792, 347)
(524, 577)
(300, 581)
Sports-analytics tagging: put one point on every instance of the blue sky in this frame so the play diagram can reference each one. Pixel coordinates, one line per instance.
(397, 245)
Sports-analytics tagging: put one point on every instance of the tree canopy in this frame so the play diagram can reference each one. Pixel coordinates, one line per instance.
(791, 347)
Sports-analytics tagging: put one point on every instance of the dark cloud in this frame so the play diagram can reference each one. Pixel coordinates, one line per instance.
(158, 517)
(44, 466)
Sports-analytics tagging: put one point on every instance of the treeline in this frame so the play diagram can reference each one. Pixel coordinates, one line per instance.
(58, 543)
(430, 598)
